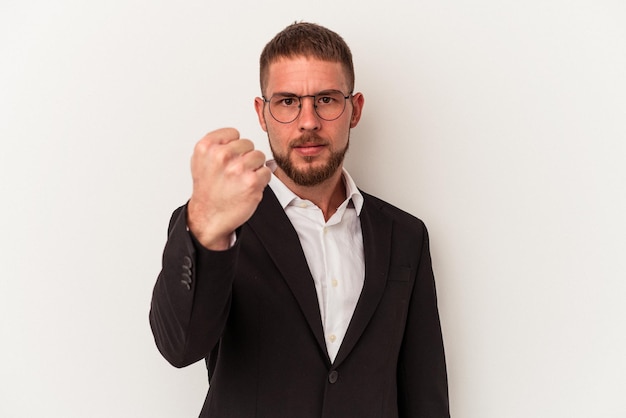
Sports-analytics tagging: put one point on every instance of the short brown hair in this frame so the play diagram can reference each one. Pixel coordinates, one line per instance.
(308, 40)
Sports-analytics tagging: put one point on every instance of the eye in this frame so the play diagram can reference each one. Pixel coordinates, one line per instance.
(285, 101)
(325, 100)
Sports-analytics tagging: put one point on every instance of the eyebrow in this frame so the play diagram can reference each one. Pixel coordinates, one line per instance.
(320, 93)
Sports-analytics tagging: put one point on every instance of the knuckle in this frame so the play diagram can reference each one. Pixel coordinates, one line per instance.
(244, 146)
(258, 155)
(249, 181)
(246, 143)
(226, 132)
(221, 155)
(200, 148)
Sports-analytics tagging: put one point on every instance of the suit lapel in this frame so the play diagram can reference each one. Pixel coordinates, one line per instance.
(275, 231)
(376, 228)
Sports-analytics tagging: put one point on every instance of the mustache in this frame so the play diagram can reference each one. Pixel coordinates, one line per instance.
(307, 139)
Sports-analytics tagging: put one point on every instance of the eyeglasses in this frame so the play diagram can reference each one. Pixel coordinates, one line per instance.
(286, 107)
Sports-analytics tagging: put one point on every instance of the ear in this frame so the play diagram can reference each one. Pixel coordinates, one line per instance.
(358, 101)
(259, 106)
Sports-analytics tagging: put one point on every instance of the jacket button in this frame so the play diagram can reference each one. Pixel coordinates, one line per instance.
(187, 262)
(333, 376)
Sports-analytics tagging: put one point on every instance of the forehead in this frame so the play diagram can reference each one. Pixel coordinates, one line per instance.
(304, 75)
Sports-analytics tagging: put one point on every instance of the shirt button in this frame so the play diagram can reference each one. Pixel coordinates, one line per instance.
(333, 376)
(332, 338)
(334, 282)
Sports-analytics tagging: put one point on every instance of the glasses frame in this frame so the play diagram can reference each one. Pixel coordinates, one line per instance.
(312, 96)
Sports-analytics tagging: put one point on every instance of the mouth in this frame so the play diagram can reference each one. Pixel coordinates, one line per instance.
(309, 149)
(309, 145)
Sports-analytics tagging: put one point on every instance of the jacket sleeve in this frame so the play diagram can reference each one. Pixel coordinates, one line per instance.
(422, 376)
(191, 297)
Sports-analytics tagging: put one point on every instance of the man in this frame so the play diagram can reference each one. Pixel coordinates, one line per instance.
(306, 297)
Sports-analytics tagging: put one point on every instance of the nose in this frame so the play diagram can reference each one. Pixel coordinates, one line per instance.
(308, 119)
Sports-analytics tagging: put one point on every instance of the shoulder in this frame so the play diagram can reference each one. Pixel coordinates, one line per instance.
(398, 215)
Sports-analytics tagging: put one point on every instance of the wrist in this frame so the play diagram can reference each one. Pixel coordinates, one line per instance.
(207, 230)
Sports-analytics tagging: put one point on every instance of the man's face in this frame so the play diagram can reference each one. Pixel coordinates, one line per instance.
(308, 150)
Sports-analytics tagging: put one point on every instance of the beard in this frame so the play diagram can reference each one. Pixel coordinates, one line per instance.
(310, 176)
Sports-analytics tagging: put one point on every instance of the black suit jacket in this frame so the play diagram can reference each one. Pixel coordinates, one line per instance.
(252, 313)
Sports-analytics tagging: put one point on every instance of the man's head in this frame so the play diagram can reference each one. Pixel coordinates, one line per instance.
(307, 40)
(308, 106)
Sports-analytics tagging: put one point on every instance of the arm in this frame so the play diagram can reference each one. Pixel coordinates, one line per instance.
(191, 297)
(422, 379)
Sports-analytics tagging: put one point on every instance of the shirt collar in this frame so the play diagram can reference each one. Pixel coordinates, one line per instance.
(285, 196)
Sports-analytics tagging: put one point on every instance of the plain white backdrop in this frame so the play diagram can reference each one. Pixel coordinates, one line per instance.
(502, 124)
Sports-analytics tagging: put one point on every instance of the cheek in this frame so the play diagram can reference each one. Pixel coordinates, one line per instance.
(275, 137)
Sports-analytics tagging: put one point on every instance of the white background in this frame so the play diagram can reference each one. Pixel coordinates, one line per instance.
(500, 123)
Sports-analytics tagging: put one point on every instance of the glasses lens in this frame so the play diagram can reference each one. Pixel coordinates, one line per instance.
(284, 109)
(328, 105)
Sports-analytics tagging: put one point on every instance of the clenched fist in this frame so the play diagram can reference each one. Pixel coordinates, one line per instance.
(229, 176)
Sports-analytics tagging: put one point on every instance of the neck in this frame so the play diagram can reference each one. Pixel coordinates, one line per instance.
(327, 196)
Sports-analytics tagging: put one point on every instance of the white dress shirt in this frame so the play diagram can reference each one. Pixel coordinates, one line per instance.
(334, 253)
